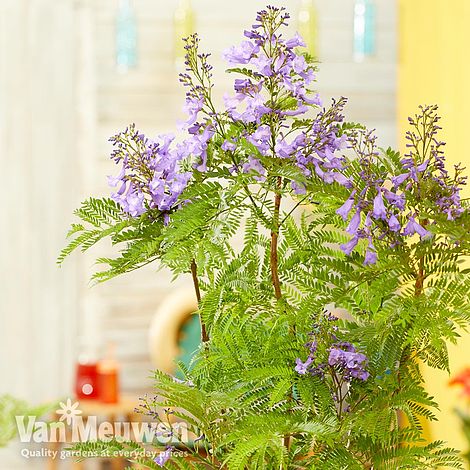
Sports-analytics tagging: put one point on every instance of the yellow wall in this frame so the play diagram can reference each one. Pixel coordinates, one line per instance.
(434, 68)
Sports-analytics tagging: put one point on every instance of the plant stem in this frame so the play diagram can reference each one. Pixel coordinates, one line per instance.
(204, 334)
(421, 275)
(274, 265)
(419, 290)
(419, 284)
(274, 241)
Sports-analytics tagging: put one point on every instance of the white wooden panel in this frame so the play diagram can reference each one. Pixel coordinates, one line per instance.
(38, 302)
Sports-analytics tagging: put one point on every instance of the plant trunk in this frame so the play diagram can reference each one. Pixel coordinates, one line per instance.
(274, 242)
(204, 334)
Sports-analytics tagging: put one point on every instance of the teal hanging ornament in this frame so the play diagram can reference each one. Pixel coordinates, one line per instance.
(364, 29)
(126, 37)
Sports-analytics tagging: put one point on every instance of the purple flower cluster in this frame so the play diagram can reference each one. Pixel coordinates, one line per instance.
(387, 207)
(198, 91)
(274, 66)
(309, 366)
(424, 165)
(151, 175)
(315, 149)
(375, 209)
(343, 358)
(279, 75)
(248, 97)
(352, 364)
(275, 86)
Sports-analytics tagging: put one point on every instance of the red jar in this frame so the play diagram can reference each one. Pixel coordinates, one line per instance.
(86, 381)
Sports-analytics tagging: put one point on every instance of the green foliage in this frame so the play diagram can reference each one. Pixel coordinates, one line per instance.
(103, 218)
(242, 394)
(263, 301)
(10, 408)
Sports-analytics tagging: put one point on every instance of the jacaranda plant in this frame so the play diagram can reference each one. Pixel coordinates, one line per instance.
(349, 277)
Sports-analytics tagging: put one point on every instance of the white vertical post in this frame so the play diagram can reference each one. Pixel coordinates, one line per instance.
(38, 301)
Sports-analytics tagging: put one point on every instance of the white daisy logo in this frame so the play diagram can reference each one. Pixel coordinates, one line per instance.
(69, 411)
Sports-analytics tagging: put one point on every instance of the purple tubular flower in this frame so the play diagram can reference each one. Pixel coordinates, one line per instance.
(264, 65)
(354, 224)
(242, 84)
(164, 196)
(345, 209)
(192, 107)
(410, 227)
(113, 181)
(394, 224)
(241, 54)
(299, 64)
(302, 367)
(341, 142)
(371, 255)
(312, 101)
(309, 76)
(228, 146)
(196, 145)
(422, 168)
(400, 179)
(379, 211)
(281, 65)
(231, 102)
(317, 101)
(413, 227)
(162, 458)
(135, 201)
(261, 139)
(296, 41)
(255, 107)
(254, 165)
(348, 248)
(295, 112)
(283, 149)
(353, 364)
(397, 200)
(360, 374)
(194, 129)
(335, 357)
(131, 201)
(342, 180)
(326, 176)
(298, 188)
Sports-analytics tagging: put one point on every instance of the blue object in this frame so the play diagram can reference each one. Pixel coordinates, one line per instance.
(364, 29)
(189, 342)
(126, 37)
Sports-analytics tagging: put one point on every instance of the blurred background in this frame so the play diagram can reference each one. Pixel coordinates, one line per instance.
(74, 72)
